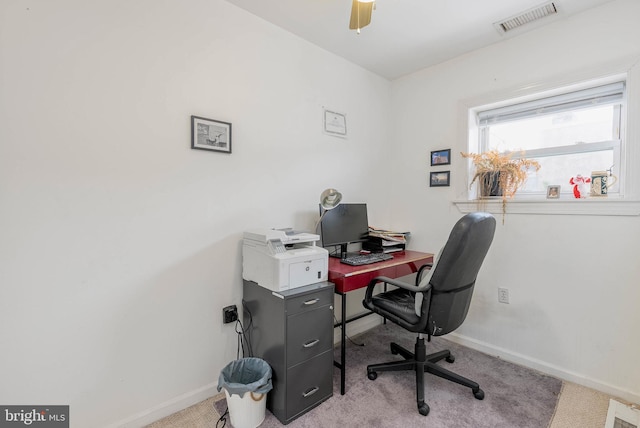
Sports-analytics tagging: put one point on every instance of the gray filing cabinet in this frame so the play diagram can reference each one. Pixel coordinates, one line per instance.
(293, 331)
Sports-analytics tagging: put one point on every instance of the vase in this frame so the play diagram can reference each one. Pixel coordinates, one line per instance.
(490, 184)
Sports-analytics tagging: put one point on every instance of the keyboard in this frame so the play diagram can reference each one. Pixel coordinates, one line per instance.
(365, 259)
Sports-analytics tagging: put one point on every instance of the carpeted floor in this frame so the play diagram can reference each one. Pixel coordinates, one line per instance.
(578, 407)
(516, 397)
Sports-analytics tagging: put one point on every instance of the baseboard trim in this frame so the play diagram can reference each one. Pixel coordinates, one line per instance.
(167, 408)
(358, 326)
(544, 367)
(194, 397)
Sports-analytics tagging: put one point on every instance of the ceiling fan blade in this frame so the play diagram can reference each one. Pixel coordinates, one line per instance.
(360, 14)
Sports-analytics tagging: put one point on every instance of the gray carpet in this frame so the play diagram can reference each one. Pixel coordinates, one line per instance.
(515, 396)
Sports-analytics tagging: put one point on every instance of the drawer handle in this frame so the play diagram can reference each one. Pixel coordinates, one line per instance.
(312, 343)
(311, 392)
(311, 302)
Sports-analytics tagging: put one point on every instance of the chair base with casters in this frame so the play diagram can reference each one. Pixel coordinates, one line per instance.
(420, 362)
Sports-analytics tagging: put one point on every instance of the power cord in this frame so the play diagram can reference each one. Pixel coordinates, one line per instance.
(244, 344)
(223, 419)
(244, 347)
(244, 339)
(345, 333)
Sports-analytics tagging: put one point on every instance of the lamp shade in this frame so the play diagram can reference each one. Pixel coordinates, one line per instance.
(330, 198)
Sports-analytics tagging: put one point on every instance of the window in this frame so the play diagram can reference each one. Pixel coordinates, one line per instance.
(570, 132)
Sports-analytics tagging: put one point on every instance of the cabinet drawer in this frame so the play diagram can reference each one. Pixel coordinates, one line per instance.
(309, 333)
(309, 301)
(309, 383)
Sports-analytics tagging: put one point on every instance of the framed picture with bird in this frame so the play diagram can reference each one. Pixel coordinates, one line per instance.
(209, 134)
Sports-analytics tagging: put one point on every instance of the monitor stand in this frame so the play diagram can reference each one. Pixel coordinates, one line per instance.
(343, 252)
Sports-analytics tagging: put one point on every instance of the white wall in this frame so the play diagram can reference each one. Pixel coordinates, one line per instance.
(119, 244)
(573, 280)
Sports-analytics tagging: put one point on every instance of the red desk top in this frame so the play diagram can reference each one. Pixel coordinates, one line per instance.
(348, 278)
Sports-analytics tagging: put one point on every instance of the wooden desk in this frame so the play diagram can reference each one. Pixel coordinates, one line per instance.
(348, 278)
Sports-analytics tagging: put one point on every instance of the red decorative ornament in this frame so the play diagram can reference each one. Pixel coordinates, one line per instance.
(581, 186)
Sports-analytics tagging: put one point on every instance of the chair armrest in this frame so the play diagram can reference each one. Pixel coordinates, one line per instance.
(401, 284)
(421, 271)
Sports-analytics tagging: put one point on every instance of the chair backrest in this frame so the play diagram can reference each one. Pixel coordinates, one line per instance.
(455, 274)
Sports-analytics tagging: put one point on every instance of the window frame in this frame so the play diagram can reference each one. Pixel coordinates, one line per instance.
(628, 201)
(598, 92)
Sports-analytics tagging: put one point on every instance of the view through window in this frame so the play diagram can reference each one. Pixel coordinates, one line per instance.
(572, 133)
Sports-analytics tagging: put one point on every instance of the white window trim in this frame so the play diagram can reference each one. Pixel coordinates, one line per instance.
(589, 206)
(600, 94)
(627, 204)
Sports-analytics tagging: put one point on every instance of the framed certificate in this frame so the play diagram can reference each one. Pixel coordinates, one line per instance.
(335, 123)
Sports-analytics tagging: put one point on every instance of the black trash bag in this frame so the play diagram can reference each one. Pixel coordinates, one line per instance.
(246, 375)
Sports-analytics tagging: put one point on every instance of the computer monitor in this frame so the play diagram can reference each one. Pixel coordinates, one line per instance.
(344, 224)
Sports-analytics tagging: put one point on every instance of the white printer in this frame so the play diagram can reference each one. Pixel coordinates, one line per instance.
(282, 259)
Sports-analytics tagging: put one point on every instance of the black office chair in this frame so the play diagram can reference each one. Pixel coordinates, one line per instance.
(445, 292)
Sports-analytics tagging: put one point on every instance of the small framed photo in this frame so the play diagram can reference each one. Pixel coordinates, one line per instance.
(553, 191)
(209, 134)
(441, 157)
(439, 178)
(335, 123)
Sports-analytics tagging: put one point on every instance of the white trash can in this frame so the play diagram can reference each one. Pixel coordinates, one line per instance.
(246, 382)
(248, 411)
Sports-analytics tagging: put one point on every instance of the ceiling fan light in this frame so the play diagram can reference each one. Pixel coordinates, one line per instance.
(360, 14)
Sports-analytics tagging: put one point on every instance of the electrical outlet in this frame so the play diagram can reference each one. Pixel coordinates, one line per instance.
(503, 295)
(229, 314)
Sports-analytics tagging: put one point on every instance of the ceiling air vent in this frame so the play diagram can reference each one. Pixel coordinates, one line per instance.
(527, 17)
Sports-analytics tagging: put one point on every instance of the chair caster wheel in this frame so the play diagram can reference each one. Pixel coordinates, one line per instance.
(372, 375)
(450, 359)
(423, 409)
(479, 394)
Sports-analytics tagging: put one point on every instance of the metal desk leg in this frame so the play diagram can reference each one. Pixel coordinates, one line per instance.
(343, 327)
(342, 364)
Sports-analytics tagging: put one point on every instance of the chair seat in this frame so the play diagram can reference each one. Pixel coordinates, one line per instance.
(399, 302)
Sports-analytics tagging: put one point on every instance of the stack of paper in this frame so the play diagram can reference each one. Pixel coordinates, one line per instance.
(387, 241)
(388, 235)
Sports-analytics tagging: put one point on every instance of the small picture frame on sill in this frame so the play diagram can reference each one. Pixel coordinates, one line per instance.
(553, 191)
(439, 178)
(209, 134)
(441, 157)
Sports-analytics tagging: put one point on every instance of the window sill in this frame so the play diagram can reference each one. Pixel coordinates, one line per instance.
(589, 206)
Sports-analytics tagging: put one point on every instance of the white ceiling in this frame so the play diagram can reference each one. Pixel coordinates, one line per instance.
(404, 35)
